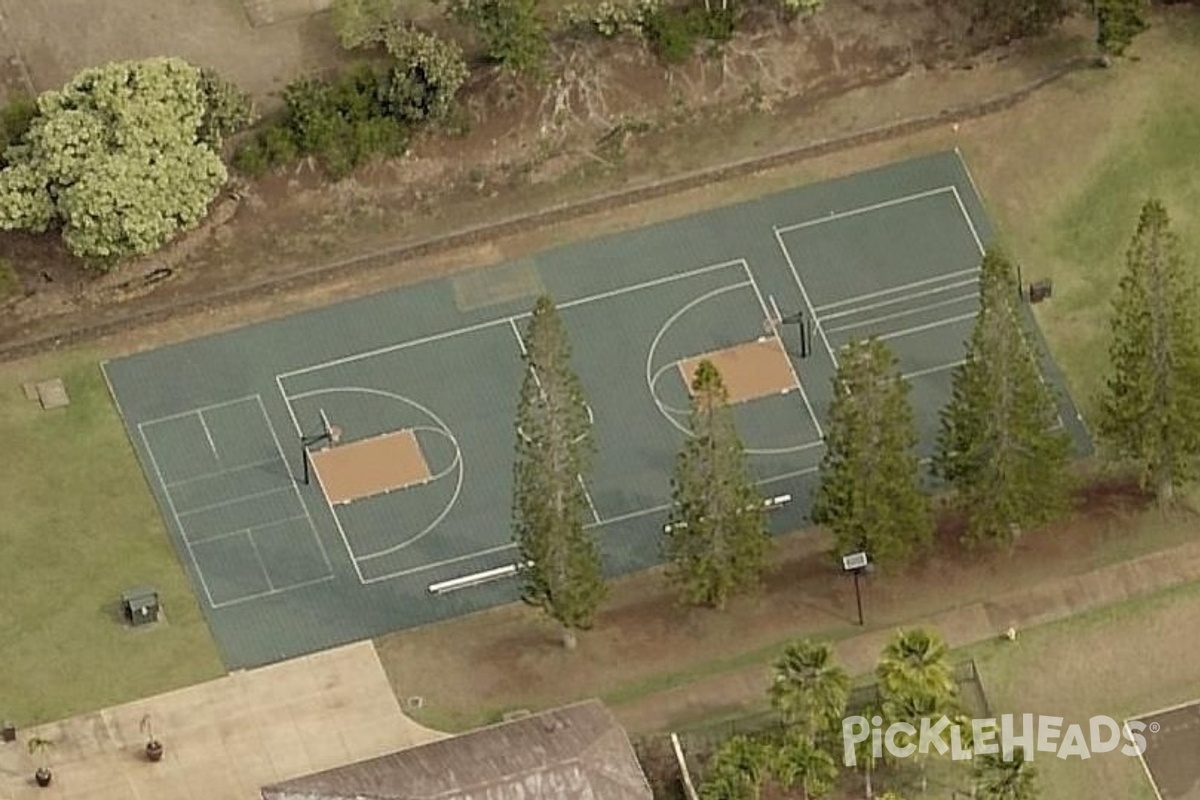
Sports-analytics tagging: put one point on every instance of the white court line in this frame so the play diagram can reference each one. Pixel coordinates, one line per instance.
(311, 526)
(445, 562)
(807, 301)
(219, 472)
(928, 326)
(208, 435)
(794, 474)
(588, 496)
(636, 287)
(832, 216)
(970, 222)
(175, 513)
(258, 557)
(953, 301)
(782, 348)
(901, 299)
(966, 169)
(197, 410)
(931, 370)
(262, 526)
(233, 502)
(291, 587)
(459, 459)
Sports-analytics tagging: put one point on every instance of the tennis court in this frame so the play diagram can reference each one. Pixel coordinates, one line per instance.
(347, 471)
(1172, 738)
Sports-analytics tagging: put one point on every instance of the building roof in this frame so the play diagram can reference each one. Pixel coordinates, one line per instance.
(578, 752)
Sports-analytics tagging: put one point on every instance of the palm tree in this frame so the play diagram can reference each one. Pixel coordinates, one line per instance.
(1001, 777)
(799, 762)
(914, 662)
(864, 751)
(810, 690)
(916, 681)
(737, 770)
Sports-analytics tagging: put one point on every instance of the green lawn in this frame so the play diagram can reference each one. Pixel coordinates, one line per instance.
(1066, 195)
(79, 527)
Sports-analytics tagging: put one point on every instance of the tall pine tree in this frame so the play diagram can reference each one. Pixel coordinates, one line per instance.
(717, 542)
(1000, 446)
(554, 450)
(1150, 411)
(869, 494)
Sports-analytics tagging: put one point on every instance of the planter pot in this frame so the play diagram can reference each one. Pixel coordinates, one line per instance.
(43, 777)
(154, 750)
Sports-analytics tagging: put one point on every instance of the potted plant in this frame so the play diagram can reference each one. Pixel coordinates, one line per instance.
(38, 748)
(154, 748)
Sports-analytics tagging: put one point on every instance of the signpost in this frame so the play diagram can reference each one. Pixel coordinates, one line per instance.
(856, 564)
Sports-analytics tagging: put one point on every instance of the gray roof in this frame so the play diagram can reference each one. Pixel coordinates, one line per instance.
(577, 752)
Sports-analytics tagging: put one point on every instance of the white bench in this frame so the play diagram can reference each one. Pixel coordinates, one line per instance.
(477, 578)
(770, 504)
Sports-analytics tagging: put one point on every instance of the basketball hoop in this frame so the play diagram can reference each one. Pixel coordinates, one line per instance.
(335, 434)
(770, 329)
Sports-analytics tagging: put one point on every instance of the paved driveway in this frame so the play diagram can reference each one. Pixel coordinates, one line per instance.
(226, 738)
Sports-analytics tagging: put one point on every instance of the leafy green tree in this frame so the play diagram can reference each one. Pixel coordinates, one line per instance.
(554, 450)
(360, 23)
(717, 542)
(344, 122)
(869, 494)
(810, 689)
(1150, 410)
(427, 74)
(1118, 22)
(227, 109)
(15, 118)
(117, 159)
(1000, 776)
(510, 31)
(737, 770)
(1000, 447)
(802, 763)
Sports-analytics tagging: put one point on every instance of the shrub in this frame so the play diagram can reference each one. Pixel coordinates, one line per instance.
(428, 73)
(15, 119)
(671, 34)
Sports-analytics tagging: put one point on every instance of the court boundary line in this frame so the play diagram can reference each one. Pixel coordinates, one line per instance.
(941, 323)
(779, 230)
(479, 326)
(458, 461)
(1147, 715)
(833, 216)
(762, 303)
(907, 313)
(849, 312)
(262, 526)
(177, 516)
(235, 501)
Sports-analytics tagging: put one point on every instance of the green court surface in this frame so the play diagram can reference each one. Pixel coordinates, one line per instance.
(280, 571)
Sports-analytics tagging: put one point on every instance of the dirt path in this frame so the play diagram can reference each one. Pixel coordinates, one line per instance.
(960, 626)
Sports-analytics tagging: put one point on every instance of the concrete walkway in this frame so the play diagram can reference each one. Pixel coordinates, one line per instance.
(960, 626)
(226, 738)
